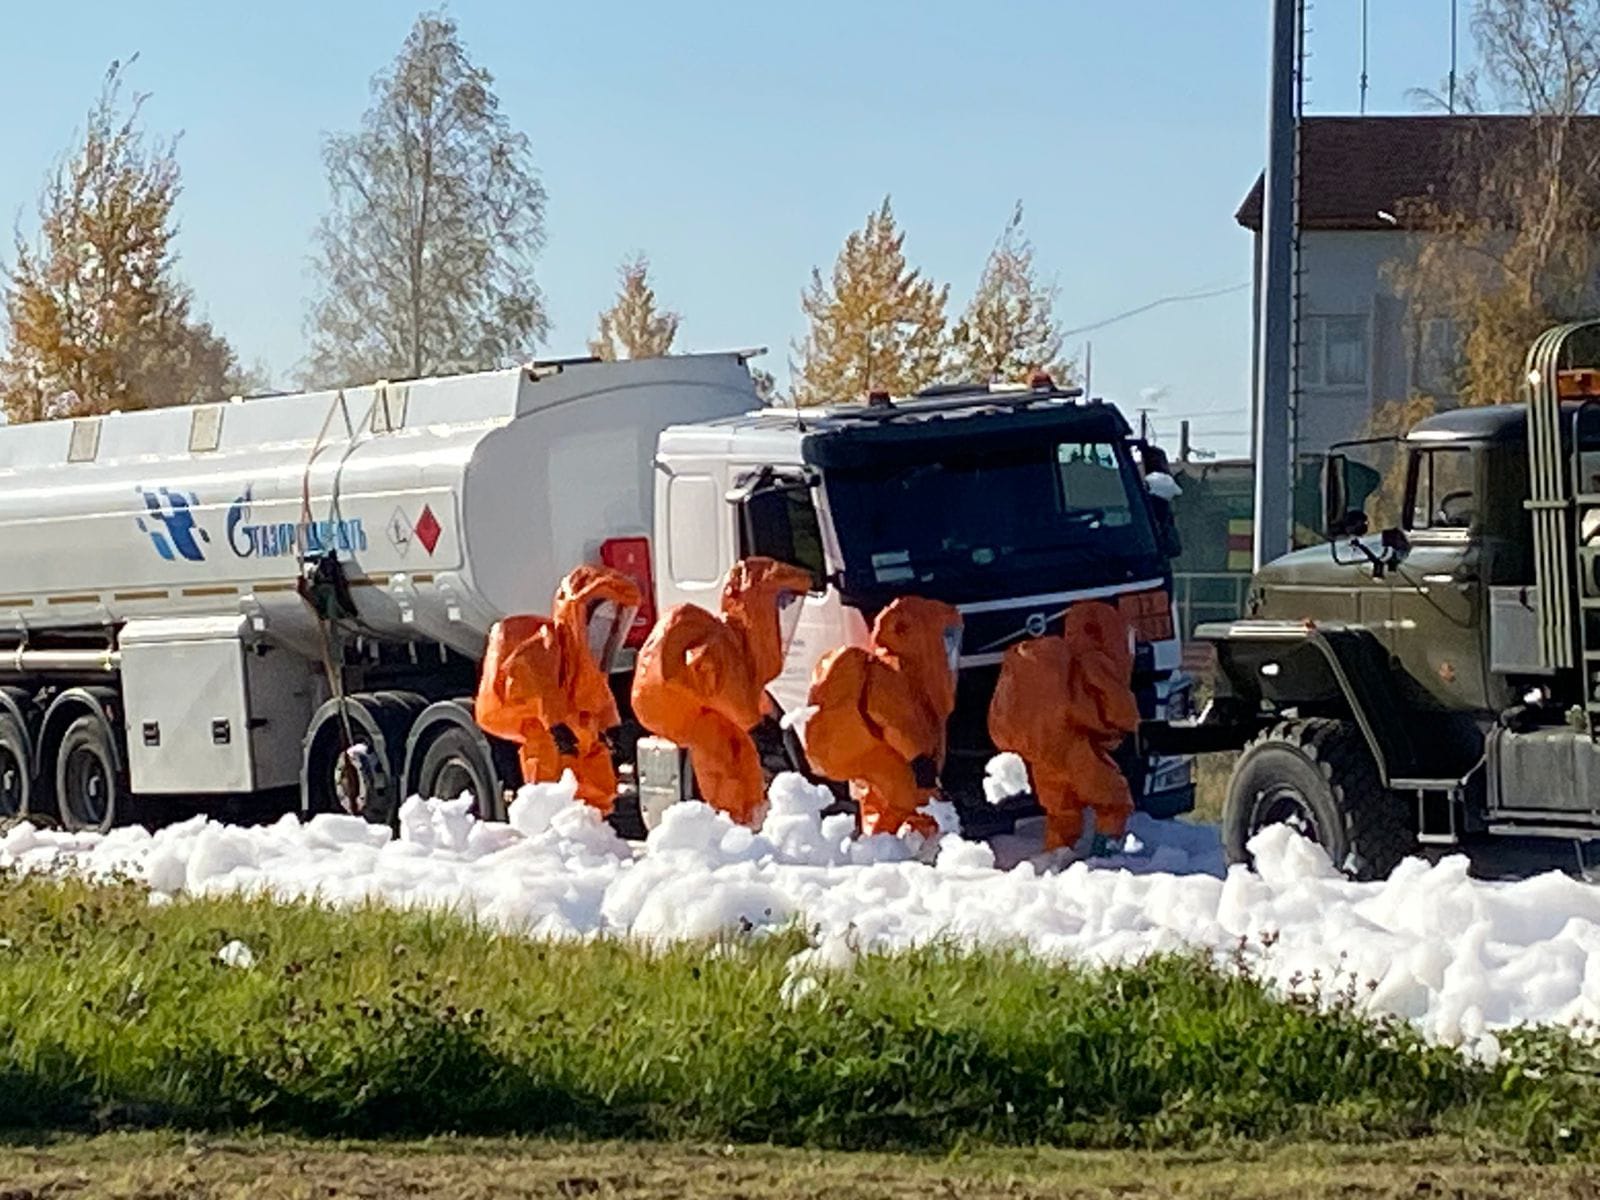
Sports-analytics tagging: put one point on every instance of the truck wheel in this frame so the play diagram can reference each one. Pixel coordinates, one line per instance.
(1318, 775)
(88, 790)
(14, 773)
(453, 764)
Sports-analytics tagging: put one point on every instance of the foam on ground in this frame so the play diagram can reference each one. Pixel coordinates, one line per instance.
(1458, 957)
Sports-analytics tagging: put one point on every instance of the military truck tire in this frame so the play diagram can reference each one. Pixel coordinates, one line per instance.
(1318, 774)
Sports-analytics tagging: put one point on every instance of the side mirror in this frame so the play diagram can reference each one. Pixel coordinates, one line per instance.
(1336, 511)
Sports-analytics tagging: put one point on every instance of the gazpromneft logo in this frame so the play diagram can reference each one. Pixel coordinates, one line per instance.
(284, 539)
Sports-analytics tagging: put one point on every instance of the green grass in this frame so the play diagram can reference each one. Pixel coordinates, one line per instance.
(377, 1023)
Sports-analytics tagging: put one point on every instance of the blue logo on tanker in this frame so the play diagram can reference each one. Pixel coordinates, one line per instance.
(287, 539)
(170, 524)
(170, 521)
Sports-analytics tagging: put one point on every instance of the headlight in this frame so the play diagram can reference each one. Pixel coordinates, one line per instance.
(1170, 774)
(1180, 703)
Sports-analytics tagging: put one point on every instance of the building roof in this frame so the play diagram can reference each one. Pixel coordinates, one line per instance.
(1353, 168)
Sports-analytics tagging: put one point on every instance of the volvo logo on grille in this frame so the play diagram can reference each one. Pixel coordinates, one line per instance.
(1035, 624)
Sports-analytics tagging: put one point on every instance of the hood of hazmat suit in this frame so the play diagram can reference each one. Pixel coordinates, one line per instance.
(597, 606)
(762, 598)
(922, 639)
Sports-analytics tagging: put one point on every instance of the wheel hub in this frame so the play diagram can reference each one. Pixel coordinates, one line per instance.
(454, 778)
(1286, 805)
(10, 784)
(88, 787)
(354, 780)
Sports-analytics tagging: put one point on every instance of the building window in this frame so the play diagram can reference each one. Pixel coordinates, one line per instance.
(1333, 352)
(1438, 356)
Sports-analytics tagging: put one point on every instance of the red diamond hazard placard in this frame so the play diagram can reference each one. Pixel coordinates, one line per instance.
(428, 529)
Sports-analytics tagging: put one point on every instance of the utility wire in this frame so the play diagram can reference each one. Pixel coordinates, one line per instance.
(1144, 308)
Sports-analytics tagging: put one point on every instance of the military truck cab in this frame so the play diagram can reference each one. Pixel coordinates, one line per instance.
(1435, 682)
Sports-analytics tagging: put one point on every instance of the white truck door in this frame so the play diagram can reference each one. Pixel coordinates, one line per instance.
(778, 516)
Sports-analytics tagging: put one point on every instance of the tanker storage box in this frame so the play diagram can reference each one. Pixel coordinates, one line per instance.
(209, 712)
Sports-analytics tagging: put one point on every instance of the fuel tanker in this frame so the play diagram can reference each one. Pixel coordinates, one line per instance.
(225, 599)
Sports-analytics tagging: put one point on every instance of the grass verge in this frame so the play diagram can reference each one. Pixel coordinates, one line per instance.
(379, 1023)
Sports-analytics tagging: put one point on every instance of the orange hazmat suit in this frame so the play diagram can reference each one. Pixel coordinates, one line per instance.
(1065, 704)
(701, 678)
(881, 713)
(544, 687)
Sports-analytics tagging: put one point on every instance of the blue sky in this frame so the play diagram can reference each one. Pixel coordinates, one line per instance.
(737, 145)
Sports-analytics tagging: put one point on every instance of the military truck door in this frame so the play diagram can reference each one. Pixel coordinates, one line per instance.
(1358, 484)
(1436, 632)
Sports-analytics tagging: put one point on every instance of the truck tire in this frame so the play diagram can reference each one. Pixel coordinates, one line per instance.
(15, 769)
(1318, 774)
(452, 764)
(89, 791)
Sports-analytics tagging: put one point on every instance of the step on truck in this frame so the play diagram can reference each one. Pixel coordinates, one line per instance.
(226, 600)
(1429, 679)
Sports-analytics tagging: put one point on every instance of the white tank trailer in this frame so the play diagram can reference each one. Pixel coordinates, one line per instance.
(152, 637)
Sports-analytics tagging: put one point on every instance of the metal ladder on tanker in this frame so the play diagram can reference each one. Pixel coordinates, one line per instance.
(1567, 558)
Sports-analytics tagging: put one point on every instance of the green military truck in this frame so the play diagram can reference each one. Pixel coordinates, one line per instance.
(1433, 683)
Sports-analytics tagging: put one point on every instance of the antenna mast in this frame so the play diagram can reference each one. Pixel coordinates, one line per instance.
(1452, 84)
(1363, 57)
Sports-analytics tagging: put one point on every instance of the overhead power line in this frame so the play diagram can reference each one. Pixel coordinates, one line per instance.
(1180, 298)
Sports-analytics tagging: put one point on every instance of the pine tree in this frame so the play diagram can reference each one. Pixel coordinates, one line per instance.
(1009, 330)
(633, 327)
(96, 321)
(878, 326)
(426, 259)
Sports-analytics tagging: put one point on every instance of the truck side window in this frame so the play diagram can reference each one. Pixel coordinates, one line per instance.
(781, 523)
(1443, 492)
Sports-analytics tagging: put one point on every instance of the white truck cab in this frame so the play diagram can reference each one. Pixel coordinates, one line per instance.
(1009, 504)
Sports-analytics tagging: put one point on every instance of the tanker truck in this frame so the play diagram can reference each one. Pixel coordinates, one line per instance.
(237, 599)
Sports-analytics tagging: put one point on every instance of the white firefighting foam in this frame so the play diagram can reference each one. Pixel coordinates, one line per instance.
(1458, 957)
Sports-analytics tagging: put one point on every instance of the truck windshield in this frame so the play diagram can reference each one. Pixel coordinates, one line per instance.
(974, 512)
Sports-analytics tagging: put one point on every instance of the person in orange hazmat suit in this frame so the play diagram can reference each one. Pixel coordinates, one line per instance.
(701, 678)
(544, 682)
(1065, 704)
(880, 713)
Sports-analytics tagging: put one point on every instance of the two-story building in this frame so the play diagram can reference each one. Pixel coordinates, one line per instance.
(1359, 344)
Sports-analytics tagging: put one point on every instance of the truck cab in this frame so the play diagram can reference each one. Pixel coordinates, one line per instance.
(1009, 504)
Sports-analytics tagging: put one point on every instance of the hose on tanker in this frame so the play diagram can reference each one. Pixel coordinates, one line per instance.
(322, 584)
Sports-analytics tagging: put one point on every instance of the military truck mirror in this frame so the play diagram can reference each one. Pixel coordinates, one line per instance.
(1336, 512)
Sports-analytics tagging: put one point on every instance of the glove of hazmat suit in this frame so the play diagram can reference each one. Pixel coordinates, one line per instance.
(701, 678)
(1065, 704)
(544, 684)
(881, 713)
